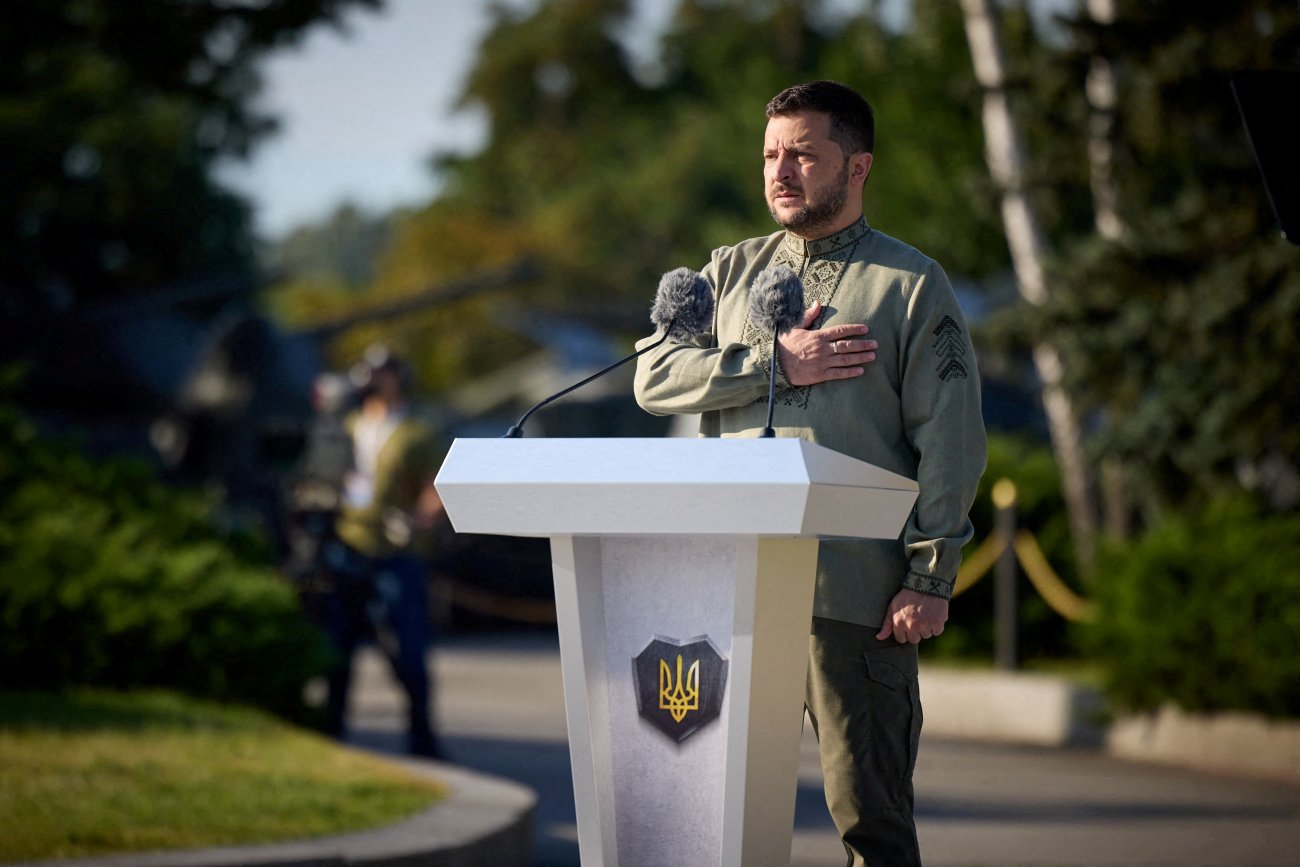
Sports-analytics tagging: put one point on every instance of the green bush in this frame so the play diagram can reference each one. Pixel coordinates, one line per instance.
(1203, 611)
(112, 579)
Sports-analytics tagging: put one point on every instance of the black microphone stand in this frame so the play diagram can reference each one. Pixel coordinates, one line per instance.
(768, 432)
(517, 430)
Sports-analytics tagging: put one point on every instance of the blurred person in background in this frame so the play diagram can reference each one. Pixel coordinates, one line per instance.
(315, 495)
(384, 531)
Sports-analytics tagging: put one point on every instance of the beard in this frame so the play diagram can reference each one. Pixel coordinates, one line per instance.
(820, 212)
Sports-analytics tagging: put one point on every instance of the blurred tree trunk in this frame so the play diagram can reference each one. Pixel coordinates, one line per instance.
(1103, 101)
(1005, 153)
(1102, 91)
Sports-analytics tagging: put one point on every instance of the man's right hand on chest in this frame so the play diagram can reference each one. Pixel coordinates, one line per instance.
(809, 356)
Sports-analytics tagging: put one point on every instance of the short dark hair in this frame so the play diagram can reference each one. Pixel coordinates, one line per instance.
(853, 124)
(377, 359)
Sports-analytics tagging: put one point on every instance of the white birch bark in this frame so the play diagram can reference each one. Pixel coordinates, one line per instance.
(1103, 98)
(1102, 91)
(1005, 153)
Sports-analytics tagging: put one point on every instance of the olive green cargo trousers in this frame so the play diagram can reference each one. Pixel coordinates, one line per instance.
(865, 707)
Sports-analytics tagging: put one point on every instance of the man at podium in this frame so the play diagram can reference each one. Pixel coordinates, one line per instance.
(882, 369)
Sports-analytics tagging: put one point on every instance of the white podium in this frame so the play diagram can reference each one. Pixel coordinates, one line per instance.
(684, 575)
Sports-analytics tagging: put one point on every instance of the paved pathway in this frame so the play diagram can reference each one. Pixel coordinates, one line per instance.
(502, 712)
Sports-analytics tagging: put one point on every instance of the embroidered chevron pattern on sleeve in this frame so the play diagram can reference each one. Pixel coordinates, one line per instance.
(951, 349)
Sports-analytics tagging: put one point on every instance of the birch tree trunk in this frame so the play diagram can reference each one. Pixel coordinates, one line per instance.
(1102, 90)
(1005, 153)
(1103, 98)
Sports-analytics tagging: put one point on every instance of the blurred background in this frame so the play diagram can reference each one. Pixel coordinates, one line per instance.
(209, 210)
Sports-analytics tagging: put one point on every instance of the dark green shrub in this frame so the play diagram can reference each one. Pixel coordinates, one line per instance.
(1203, 611)
(111, 579)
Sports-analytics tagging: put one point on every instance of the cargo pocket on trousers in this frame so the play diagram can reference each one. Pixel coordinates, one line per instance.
(895, 717)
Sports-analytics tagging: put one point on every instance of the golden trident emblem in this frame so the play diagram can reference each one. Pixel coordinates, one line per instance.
(679, 698)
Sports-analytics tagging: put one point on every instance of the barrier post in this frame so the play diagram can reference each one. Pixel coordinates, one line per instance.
(1004, 587)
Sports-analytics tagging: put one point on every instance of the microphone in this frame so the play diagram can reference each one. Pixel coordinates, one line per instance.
(683, 305)
(775, 306)
(683, 308)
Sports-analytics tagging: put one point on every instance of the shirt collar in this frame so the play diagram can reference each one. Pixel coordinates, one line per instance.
(845, 237)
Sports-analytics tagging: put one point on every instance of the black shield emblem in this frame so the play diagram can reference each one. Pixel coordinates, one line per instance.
(679, 685)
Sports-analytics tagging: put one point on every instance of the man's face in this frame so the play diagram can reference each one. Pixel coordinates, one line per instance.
(807, 177)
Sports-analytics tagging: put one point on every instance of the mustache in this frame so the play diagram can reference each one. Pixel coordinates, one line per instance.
(785, 188)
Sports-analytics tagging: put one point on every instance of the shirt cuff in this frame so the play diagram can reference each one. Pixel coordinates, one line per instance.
(928, 585)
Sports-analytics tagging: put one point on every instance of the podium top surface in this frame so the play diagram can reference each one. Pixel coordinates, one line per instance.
(678, 486)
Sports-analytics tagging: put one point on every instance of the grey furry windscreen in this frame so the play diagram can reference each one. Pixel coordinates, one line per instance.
(683, 305)
(776, 300)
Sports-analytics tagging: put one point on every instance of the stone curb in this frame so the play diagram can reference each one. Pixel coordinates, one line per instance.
(1010, 707)
(482, 821)
(1046, 711)
(1229, 743)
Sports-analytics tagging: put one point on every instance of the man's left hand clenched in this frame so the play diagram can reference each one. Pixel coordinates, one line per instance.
(913, 617)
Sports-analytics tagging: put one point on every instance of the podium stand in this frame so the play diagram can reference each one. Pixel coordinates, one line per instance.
(684, 576)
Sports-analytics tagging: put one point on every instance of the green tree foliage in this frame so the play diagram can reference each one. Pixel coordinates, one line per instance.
(107, 578)
(112, 116)
(1182, 333)
(566, 117)
(345, 247)
(486, 332)
(322, 272)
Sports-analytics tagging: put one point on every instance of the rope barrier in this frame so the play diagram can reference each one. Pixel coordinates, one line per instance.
(974, 567)
(1059, 597)
(540, 611)
(1049, 585)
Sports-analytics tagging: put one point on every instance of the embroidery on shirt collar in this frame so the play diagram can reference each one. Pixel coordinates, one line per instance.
(846, 237)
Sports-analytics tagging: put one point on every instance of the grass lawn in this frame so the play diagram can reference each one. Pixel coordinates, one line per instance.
(95, 772)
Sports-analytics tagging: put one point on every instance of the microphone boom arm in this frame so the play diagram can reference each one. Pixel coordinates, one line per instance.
(517, 430)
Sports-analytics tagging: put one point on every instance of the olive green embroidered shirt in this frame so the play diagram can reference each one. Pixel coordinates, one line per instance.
(915, 411)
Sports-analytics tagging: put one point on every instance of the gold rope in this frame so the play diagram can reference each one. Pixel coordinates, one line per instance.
(974, 567)
(1049, 585)
(477, 601)
(1044, 579)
